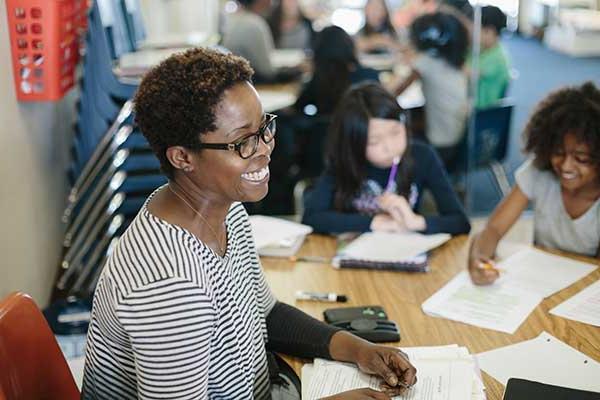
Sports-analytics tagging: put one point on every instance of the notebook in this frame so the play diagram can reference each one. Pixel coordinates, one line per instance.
(522, 389)
(418, 263)
(389, 251)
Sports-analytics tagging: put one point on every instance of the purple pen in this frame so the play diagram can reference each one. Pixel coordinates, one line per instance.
(393, 172)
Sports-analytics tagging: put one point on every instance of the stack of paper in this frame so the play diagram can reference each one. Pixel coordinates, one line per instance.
(390, 247)
(443, 373)
(543, 359)
(277, 237)
(526, 278)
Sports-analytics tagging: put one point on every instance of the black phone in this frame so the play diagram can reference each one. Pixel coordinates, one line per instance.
(367, 322)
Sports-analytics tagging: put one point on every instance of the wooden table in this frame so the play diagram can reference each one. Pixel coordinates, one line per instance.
(401, 294)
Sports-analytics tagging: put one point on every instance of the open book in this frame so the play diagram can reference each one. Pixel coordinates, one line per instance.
(392, 251)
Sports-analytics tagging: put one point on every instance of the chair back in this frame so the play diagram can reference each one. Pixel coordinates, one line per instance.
(492, 130)
(32, 364)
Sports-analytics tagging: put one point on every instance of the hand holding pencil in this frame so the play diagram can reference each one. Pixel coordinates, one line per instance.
(483, 271)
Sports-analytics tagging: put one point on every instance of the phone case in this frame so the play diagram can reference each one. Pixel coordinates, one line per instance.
(342, 314)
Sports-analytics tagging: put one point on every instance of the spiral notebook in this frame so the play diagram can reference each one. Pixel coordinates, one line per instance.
(389, 251)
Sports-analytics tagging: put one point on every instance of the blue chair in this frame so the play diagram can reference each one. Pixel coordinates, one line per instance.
(134, 21)
(489, 144)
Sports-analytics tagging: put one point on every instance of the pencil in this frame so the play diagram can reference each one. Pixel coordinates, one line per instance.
(490, 266)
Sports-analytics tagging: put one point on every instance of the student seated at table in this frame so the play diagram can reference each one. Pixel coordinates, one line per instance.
(561, 178)
(182, 308)
(377, 34)
(494, 75)
(441, 42)
(336, 67)
(291, 29)
(247, 34)
(362, 190)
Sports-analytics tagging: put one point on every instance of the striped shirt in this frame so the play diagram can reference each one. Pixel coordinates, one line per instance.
(173, 320)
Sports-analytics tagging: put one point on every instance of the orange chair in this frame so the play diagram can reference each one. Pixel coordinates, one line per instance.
(32, 365)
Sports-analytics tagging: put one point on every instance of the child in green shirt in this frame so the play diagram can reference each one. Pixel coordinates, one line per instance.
(493, 63)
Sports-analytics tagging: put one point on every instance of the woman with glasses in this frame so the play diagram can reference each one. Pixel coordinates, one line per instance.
(561, 179)
(182, 308)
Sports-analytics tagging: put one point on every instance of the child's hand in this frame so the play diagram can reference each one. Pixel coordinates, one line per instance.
(385, 223)
(400, 210)
(482, 271)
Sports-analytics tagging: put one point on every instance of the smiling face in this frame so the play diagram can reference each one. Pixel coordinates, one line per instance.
(574, 165)
(386, 140)
(223, 173)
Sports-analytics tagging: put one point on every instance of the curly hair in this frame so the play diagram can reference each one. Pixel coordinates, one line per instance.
(176, 100)
(570, 110)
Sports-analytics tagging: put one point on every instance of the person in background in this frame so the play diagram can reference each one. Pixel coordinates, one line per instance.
(376, 173)
(410, 10)
(561, 178)
(335, 68)
(377, 34)
(441, 42)
(182, 308)
(494, 75)
(247, 34)
(291, 29)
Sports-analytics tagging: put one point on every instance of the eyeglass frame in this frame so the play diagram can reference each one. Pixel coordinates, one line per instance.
(237, 145)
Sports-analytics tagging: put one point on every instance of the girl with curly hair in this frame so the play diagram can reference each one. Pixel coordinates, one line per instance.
(561, 178)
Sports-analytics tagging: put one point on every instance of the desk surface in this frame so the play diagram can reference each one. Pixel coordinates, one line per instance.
(401, 294)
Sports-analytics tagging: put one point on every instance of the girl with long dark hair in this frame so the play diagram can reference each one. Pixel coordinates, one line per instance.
(336, 67)
(291, 29)
(376, 173)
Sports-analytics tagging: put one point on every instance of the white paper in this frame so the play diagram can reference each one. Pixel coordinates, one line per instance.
(391, 247)
(273, 100)
(500, 306)
(273, 231)
(543, 359)
(444, 373)
(287, 58)
(583, 307)
(540, 272)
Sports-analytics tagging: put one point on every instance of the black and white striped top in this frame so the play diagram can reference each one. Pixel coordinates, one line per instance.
(173, 320)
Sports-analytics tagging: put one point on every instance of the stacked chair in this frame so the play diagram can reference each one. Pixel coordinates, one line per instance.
(113, 169)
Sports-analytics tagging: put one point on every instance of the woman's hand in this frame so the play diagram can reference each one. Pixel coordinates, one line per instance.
(359, 394)
(398, 207)
(390, 364)
(386, 362)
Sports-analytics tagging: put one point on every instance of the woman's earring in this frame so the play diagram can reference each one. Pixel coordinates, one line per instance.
(187, 169)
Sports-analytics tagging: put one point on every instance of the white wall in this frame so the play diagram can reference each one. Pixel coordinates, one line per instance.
(180, 16)
(34, 142)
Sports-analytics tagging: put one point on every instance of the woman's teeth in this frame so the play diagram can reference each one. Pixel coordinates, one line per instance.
(257, 175)
(568, 175)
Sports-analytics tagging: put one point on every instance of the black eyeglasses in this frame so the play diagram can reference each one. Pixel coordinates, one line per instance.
(247, 146)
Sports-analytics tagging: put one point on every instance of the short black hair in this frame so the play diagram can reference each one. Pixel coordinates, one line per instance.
(493, 17)
(570, 110)
(443, 35)
(175, 101)
(246, 3)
